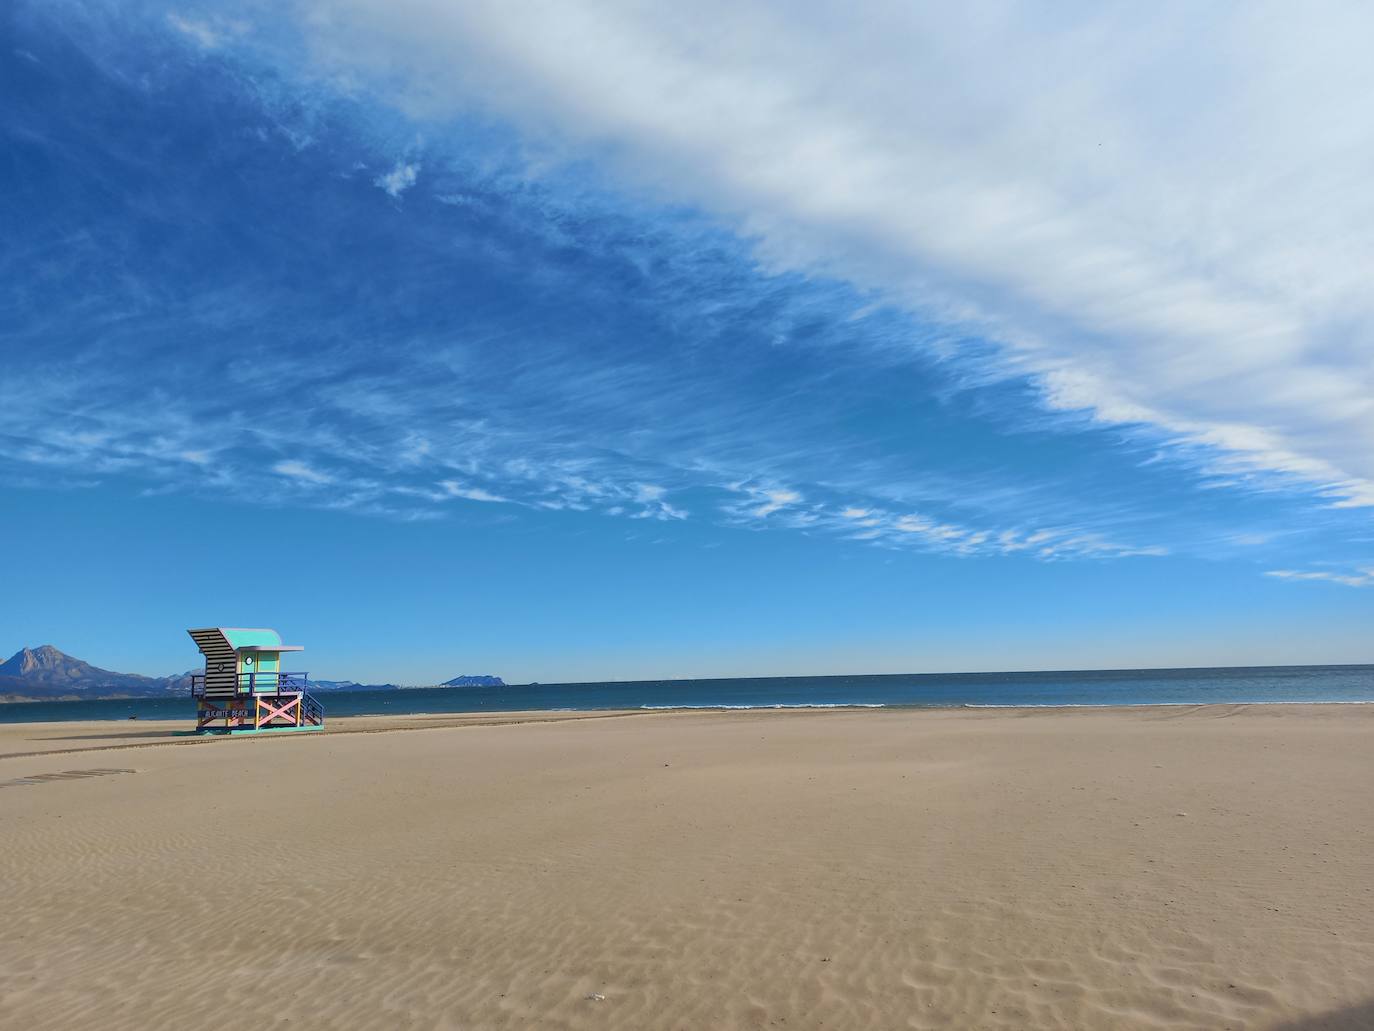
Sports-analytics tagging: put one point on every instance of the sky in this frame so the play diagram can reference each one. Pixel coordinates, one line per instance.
(580, 341)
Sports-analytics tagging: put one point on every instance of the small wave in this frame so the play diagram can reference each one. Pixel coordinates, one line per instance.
(1162, 705)
(1087, 705)
(776, 705)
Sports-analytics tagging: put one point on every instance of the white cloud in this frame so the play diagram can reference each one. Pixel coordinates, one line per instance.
(211, 34)
(775, 500)
(414, 449)
(1025, 256)
(196, 30)
(652, 498)
(301, 471)
(1159, 211)
(1359, 578)
(399, 179)
(455, 489)
(390, 470)
(955, 539)
(755, 506)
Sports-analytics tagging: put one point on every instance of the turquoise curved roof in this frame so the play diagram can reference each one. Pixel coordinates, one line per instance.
(240, 637)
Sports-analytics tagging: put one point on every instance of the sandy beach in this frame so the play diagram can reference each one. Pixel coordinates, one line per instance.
(1208, 867)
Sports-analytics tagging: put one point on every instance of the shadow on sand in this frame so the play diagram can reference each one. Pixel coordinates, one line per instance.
(1357, 1018)
(147, 735)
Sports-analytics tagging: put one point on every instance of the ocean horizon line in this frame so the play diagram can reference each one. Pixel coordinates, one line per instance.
(924, 673)
(1231, 685)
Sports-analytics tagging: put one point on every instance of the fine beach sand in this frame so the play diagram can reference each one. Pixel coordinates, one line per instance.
(1207, 867)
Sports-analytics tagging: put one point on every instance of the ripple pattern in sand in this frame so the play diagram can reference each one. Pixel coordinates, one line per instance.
(702, 872)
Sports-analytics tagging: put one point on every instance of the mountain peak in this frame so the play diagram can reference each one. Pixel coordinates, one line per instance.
(48, 655)
(48, 672)
(43, 659)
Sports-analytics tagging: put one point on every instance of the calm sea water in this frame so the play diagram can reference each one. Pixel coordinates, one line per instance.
(1087, 687)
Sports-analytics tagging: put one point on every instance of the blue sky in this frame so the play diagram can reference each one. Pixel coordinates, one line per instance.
(605, 343)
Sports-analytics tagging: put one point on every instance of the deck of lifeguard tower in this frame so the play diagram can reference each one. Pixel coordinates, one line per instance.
(243, 690)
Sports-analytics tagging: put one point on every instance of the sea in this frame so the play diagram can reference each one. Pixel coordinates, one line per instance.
(1247, 684)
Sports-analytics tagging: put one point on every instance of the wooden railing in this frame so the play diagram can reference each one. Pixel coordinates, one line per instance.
(257, 683)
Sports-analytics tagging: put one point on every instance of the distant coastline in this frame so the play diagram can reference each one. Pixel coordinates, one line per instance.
(1067, 689)
(47, 674)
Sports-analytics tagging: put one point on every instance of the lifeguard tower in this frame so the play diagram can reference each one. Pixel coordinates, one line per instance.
(243, 689)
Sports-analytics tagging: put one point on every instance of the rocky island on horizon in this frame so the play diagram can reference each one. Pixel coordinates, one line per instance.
(474, 680)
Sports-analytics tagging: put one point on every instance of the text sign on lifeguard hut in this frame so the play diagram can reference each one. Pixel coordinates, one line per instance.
(244, 688)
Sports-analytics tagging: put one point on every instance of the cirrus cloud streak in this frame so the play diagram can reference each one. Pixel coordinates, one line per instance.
(1157, 213)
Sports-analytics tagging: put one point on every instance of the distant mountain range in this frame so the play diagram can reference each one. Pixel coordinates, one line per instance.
(46, 674)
